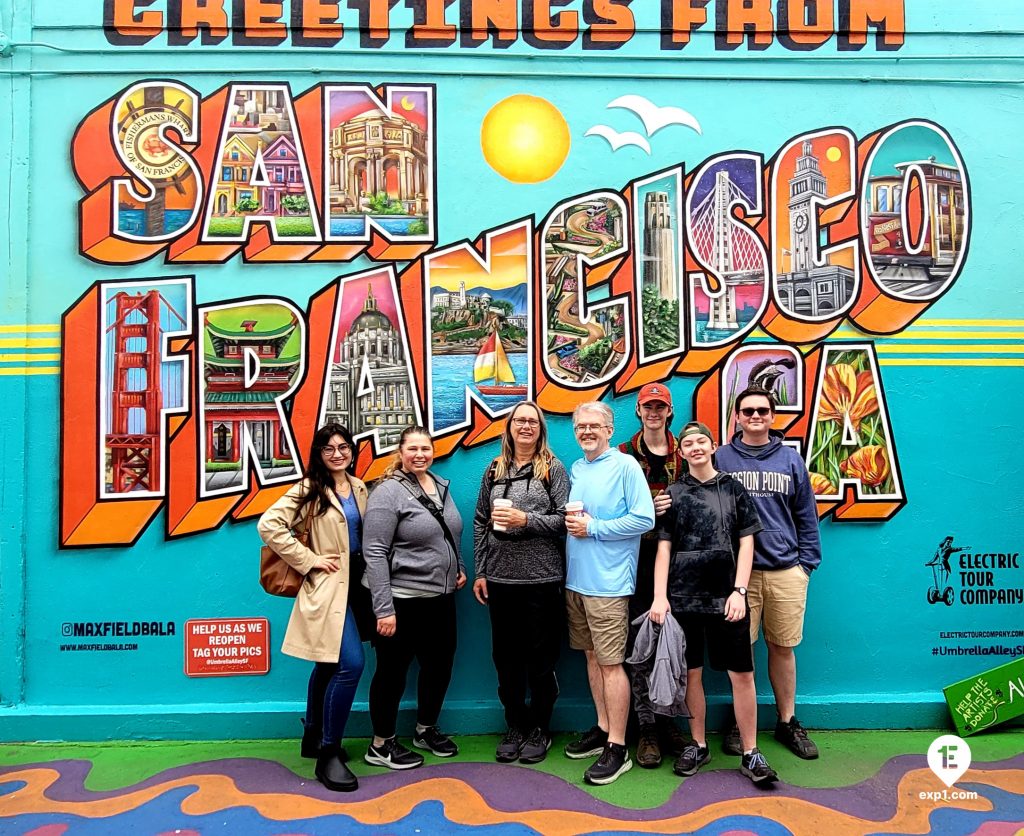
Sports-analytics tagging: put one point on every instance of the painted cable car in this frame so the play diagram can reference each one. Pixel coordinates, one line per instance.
(942, 233)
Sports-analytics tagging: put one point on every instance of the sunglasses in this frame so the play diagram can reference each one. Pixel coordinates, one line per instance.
(751, 411)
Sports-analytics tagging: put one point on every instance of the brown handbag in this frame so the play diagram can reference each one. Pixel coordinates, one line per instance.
(277, 577)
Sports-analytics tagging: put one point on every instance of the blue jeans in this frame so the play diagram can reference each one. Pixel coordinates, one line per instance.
(332, 687)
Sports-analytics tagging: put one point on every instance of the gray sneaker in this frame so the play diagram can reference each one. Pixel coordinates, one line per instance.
(535, 747)
(510, 747)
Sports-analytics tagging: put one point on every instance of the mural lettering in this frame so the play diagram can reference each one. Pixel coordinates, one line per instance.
(542, 24)
(340, 171)
(209, 408)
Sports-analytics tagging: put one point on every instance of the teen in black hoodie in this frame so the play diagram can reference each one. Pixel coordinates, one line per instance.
(704, 559)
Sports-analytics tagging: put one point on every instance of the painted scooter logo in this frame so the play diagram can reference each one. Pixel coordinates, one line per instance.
(940, 590)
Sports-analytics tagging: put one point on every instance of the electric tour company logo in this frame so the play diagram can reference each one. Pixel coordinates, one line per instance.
(984, 578)
(940, 589)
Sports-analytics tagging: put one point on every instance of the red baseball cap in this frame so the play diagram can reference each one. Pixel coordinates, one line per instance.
(654, 392)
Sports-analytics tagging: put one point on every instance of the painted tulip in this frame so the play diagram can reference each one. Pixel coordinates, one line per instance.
(846, 394)
(821, 485)
(869, 464)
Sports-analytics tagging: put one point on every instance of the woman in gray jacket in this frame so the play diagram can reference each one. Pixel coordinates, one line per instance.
(518, 532)
(413, 567)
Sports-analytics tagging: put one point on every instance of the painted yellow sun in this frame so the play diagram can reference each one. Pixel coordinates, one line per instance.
(525, 138)
(833, 154)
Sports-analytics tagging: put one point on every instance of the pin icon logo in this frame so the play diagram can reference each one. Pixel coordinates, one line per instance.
(949, 758)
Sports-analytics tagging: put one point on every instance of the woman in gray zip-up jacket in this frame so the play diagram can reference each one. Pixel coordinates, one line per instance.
(411, 534)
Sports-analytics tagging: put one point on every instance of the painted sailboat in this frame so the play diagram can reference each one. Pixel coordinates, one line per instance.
(492, 364)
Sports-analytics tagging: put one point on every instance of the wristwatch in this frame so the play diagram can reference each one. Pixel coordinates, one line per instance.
(742, 590)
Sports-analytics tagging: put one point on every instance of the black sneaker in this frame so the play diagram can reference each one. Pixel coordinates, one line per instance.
(692, 758)
(613, 762)
(393, 755)
(732, 743)
(590, 743)
(756, 768)
(434, 740)
(535, 747)
(510, 747)
(794, 736)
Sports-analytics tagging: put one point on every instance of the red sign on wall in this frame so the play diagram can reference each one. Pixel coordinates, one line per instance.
(227, 646)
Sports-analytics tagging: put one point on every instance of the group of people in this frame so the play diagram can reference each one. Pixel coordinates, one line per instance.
(723, 540)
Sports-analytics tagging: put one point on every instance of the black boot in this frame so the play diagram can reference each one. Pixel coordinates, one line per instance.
(311, 744)
(332, 773)
(310, 740)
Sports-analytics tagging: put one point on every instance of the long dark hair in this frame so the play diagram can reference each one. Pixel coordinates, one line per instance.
(317, 475)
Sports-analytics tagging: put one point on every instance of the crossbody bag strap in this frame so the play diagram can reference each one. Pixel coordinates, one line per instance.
(435, 512)
(508, 480)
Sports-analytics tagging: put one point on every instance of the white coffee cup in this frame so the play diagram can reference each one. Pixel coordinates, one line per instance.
(574, 508)
(500, 503)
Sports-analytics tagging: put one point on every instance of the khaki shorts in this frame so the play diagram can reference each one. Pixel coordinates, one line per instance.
(598, 624)
(778, 600)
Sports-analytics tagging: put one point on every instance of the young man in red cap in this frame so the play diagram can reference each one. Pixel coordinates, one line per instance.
(657, 452)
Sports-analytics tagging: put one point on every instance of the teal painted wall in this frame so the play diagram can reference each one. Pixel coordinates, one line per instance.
(876, 652)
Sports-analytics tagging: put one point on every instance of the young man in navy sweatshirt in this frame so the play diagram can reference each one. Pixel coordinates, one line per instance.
(786, 551)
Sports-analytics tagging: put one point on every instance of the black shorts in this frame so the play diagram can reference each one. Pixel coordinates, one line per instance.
(727, 642)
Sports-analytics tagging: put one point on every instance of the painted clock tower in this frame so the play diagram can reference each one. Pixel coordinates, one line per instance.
(807, 182)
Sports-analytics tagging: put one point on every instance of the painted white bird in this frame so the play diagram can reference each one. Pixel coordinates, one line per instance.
(654, 117)
(619, 140)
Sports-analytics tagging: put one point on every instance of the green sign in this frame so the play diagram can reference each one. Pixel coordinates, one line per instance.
(989, 698)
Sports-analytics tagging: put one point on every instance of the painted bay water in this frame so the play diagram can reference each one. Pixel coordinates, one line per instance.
(452, 373)
(353, 225)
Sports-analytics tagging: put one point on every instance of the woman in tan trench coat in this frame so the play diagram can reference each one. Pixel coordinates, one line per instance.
(323, 627)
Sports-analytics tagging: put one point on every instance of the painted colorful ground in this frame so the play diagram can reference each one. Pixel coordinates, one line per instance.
(864, 782)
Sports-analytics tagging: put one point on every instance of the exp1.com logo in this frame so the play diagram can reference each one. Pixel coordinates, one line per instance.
(949, 757)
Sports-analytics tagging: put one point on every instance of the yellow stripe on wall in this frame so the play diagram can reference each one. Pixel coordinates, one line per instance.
(30, 342)
(933, 335)
(969, 323)
(11, 370)
(885, 345)
(949, 349)
(29, 329)
(951, 361)
(884, 361)
(29, 358)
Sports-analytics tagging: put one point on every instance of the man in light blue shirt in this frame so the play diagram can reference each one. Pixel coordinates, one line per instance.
(602, 548)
